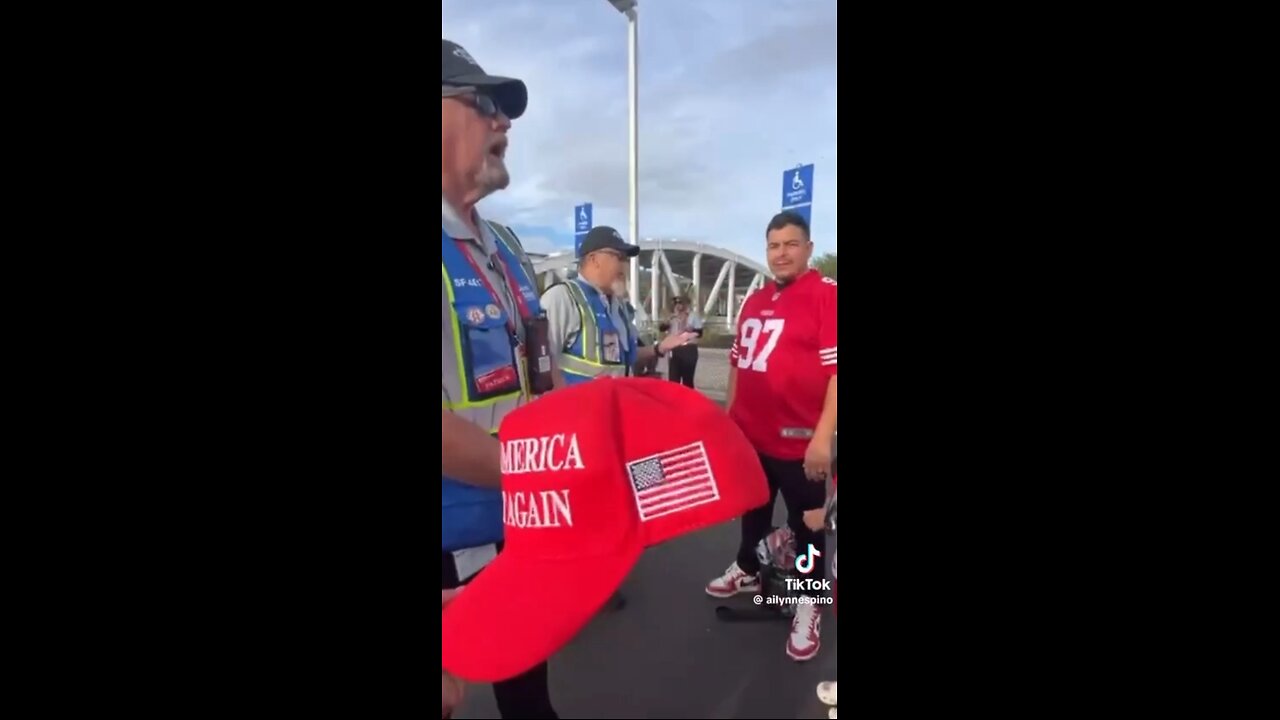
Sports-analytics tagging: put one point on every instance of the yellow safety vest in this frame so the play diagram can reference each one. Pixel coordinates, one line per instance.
(582, 359)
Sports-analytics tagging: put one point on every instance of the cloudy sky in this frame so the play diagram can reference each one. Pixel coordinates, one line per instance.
(732, 93)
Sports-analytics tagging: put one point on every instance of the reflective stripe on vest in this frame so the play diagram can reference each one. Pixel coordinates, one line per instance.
(464, 288)
(582, 359)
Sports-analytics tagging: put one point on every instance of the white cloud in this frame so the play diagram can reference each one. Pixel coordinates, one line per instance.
(732, 92)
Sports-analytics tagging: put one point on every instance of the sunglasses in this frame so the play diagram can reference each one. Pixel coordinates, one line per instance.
(483, 103)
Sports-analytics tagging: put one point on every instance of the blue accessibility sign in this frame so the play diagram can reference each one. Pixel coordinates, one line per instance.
(797, 186)
(581, 226)
(797, 191)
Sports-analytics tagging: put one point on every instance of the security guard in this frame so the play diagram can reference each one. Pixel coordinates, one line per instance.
(493, 354)
(589, 330)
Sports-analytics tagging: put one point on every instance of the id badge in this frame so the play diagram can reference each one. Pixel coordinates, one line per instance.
(612, 348)
(497, 380)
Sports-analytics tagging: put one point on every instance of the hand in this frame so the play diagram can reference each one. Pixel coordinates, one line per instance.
(451, 694)
(814, 519)
(675, 341)
(452, 689)
(817, 459)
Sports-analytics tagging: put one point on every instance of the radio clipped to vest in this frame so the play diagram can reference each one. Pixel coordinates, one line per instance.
(537, 330)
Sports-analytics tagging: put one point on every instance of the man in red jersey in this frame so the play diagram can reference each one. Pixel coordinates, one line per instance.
(782, 393)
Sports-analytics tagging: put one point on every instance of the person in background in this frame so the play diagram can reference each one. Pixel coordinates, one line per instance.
(589, 333)
(782, 393)
(488, 313)
(684, 359)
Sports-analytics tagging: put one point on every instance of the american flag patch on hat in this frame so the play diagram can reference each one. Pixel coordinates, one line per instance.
(672, 481)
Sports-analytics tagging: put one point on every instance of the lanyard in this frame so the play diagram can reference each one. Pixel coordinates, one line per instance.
(511, 283)
(515, 288)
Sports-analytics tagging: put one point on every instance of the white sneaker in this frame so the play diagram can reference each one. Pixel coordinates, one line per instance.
(803, 643)
(827, 692)
(734, 580)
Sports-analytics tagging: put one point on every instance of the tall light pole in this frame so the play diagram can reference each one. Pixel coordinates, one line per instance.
(628, 8)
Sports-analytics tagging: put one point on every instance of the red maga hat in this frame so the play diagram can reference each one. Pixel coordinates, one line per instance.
(591, 476)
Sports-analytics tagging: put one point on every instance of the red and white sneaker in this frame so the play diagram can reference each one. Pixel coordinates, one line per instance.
(734, 580)
(804, 643)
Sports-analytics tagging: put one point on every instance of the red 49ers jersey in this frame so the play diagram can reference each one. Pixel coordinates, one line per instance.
(785, 353)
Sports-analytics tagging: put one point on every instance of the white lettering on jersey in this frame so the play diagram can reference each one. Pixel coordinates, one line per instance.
(540, 454)
(749, 340)
(536, 509)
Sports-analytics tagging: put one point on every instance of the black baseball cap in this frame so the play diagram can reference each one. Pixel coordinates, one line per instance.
(459, 69)
(606, 238)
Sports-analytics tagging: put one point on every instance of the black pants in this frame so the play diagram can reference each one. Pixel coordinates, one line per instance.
(523, 697)
(800, 494)
(681, 363)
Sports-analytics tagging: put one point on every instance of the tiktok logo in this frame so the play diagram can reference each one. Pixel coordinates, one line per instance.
(804, 563)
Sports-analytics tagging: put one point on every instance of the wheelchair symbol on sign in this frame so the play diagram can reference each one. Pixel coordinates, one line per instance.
(796, 182)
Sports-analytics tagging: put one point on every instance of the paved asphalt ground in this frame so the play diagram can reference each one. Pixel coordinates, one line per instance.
(712, 374)
(665, 655)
